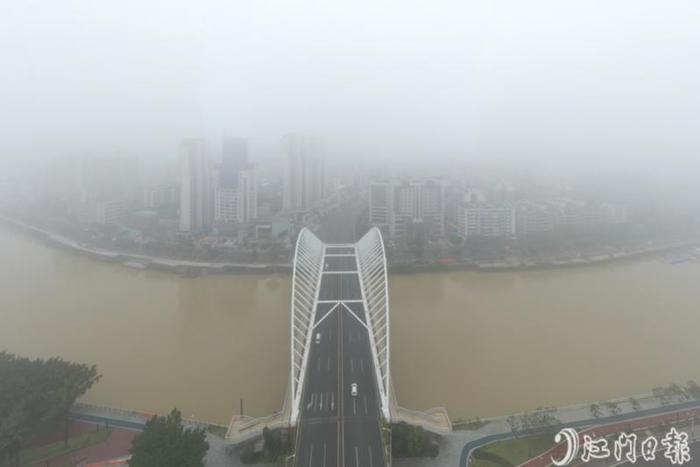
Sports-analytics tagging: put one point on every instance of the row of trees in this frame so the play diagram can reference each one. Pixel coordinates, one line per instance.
(538, 420)
(674, 393)
(671, 394)
(36, 397)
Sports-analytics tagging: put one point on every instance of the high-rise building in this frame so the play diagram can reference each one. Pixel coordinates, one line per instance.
(304, 177)
(196, 187)
(234, 159)
(401, 208)
(237, 205)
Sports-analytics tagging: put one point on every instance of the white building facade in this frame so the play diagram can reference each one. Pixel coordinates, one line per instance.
(403, 207)
(237, 205)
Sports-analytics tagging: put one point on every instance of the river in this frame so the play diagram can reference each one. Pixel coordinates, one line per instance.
(480, 344)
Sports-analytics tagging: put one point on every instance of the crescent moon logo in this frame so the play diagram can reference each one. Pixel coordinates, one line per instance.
(572, 446)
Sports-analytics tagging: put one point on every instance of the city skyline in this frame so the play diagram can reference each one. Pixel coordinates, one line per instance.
(563, 87)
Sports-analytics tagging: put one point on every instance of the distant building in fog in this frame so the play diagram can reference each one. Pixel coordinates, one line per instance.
(107, 177)
(402, 208)
(196, 187)
(94, 189)
(304, 175)
(237, 205)
(534, 218)
(155, 196)
(234, 159)
(104, 211)
(470, 215)
(486, 220)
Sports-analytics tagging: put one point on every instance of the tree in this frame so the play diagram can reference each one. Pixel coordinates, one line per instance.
(693, 389)
(660, 394)
(513, 423)
(77, 379)
(165, 442)
(613, 407)
(595, 410)
(634, 403)
(408, 441)
(35, 395)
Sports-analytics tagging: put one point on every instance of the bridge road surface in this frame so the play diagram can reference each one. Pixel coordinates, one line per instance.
(336, 428)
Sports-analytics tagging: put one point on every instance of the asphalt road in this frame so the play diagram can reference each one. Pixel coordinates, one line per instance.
(335, 427)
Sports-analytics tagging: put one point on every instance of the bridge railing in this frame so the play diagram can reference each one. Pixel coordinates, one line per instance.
(306, 279)
(371, 259)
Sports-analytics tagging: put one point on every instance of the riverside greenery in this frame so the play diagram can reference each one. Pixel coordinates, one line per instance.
(36, 397)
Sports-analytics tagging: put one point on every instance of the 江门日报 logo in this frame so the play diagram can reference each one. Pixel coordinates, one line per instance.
(674, 444)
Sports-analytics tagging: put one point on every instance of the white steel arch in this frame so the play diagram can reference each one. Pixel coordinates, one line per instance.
(371, 260)
(306, 282)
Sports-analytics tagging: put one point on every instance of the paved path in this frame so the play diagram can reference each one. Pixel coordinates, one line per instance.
(581, 422)
(117, 445)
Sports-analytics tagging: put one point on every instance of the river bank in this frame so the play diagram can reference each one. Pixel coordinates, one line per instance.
(507, 342)
(136, 261)
(187, 268)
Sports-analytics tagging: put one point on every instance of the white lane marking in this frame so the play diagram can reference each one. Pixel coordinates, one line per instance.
(354, 406)
(366, 411)
(369, 450)
(362, 365)
(352, 365)
(324, 454)
(332, 400)
(311, 455)
(357, 458)
(321, 403)
(353, 315)
(311, 402)
(337, 303)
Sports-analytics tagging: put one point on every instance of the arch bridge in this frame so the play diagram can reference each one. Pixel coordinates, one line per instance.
(339, 393)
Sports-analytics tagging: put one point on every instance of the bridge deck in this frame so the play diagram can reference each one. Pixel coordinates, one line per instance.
(335, 427)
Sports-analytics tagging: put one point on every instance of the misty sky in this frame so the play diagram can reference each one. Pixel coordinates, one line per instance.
(580, 84)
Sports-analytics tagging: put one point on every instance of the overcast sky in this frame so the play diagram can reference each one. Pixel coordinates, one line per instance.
(580, 84)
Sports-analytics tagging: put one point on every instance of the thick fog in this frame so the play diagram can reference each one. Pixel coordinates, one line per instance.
(578, 85)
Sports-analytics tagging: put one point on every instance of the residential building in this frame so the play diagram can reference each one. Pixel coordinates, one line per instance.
(304, 175)
(234, 159)
(196, 187)
(155, 196)
(486, 220)
(403, 208)
(237, 205)
(533, 218)
(104, 211)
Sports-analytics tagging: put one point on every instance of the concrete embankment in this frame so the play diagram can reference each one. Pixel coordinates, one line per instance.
(187, 268)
